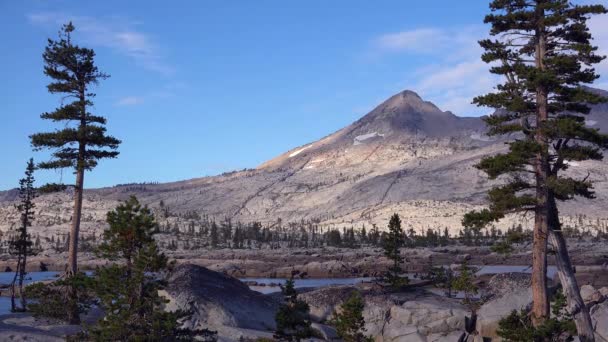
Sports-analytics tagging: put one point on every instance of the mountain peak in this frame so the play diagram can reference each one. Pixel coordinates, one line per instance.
(405, 98)
(407, 113)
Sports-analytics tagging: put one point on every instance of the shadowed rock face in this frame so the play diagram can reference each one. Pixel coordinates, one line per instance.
(405, 156)
(407, 113)
(219, 302)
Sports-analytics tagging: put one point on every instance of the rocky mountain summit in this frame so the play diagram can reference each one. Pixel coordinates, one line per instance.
(405, 156)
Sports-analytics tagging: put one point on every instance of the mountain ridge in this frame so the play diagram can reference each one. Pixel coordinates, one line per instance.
(405, 156)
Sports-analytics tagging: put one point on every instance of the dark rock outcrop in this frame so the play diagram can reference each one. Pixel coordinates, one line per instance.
(220, 302)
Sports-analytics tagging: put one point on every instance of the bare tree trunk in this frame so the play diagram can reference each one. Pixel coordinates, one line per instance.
(79, 186)
(14, 283)
(540, 305)
(21, 276)
(540, 302)
(73, 310)
(73, 243)
(576, 306)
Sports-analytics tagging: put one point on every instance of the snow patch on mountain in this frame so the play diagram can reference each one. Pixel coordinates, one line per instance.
(590, 122)
(295, 153)
(361, 138)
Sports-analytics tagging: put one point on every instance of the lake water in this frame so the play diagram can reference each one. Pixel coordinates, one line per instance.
(271, 283)
(495, 269)
(7, 277)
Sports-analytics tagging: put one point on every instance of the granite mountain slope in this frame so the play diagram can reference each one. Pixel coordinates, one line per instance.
(405, 156)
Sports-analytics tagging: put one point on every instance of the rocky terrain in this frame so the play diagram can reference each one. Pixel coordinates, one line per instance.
(405, 156)
(226, 305)
(589, 256)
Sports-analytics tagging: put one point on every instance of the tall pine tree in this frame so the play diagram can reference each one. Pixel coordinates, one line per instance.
(82, 140)
(392, 249)
(22, 244)
(543, 49)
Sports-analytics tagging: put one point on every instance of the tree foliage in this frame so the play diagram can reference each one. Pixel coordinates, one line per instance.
(293, 316)
(82, 140)
(128, 291)
(21, 244)
(73, 71)
(551, 82)
(349, 321)
(464, 282)
(517, 326)
(394, 241)
(63, 298)
(542, 50)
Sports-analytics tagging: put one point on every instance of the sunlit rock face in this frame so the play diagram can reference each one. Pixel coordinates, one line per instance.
(405, 156)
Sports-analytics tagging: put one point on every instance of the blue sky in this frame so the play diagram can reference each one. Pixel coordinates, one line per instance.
(202, 87)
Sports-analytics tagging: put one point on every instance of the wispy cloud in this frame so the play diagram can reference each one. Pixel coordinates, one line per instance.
(599, 30)
(118, 35)
(421, 40)
(167, 91)
(130, 101)
(455, 73)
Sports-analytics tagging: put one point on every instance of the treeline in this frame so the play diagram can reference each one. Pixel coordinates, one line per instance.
(190, 230)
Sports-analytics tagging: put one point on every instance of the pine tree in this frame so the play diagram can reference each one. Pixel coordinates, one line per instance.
(293, 316)
(22, 244)
(464, 282)
(128, 291)
(349, 322)
(82, 141)
(543, 49)
(392, 249)
(214, 235)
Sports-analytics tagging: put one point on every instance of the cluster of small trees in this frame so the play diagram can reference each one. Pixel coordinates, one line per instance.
(294, 323)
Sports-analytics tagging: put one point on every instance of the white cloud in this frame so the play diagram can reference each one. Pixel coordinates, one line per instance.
(169, 90)
(130, 101)
(118, 35)
(454, 76)
(418, 40)
(455, 73)
(598, 26)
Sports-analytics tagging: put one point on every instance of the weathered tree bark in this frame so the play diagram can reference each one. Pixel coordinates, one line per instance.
(21, 276)
(75, 229)
(73, 311)
(540, 302)
(14, 284)
(575, 304)
(540, 305)
(78, 189)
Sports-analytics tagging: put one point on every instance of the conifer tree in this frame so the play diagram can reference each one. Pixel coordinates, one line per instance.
(349, 322)
(213, 235)
(392, 249)
(464, 282)
(128, 292)
(22, 244)
(82, 140)
(293, 316)
(543, 49)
